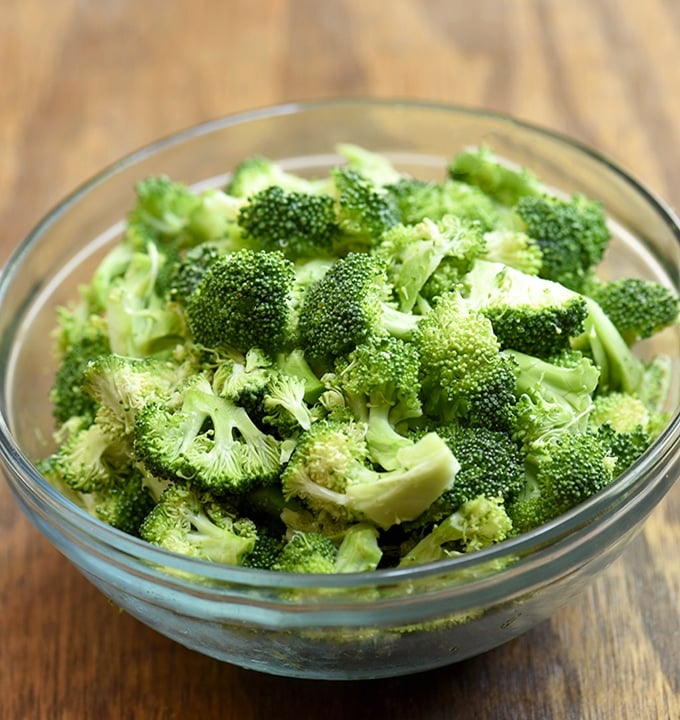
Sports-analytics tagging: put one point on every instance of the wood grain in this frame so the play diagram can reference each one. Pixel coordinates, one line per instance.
(85, 82)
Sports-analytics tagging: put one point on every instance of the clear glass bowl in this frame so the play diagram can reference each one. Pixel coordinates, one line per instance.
(380, 624)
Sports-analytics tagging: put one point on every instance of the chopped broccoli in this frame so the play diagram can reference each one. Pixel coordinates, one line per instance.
(572, 234)
(243, 301)
(207, 439)
(501, 182)
(196, 523)
(638, 308)
(346, 306)
(356, 371)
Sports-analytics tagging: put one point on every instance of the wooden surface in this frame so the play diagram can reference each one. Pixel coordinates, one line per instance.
(83, 82)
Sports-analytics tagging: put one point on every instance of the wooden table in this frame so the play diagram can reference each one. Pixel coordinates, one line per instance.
(84, 82)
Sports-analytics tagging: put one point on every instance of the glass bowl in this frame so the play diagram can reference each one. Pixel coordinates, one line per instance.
(379, 624)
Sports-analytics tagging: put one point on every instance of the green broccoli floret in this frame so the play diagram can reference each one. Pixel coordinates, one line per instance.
(528, 313)
(345, 307)
(501, 182)
(464, 375)
(418, 200)
(513, 248)
(243, 379)
(195, 523)
(243, 301)
(266, 551)
(307, 552)
(68, 396)
(364, 211)
(555, 393)
(380, 381)
(207, 439)
(188, 271)
(163, 205)
(140, 320)
(374, 166)
(300, 225)
(413, 253)
(476, 524)
(572, 234)
(256, 173)
(284, 404)
(638, 308)
(566, 468)
(359, 550)
(329, 472)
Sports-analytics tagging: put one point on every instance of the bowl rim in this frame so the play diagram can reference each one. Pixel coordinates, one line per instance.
(629, 486)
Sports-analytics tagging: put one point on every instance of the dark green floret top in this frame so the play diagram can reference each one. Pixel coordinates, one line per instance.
(357, 370)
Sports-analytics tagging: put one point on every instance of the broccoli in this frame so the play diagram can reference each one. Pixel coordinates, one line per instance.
(572, 234)
(346, 306)
(464, 375)
(356, 371)
(528, 313)
(380, 381)
(638, 308)
(329, 471)
(206, 439)
(413, 253)
(501, 182)
(567, 468)
(476, 524)
(300, 225)
(196, 523)
(418, 200)
(243, 301)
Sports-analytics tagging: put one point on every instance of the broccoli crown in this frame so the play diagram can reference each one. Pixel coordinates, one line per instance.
(164, 205)
(300, 225)
(307, 552)
(208, 440)
(413, 253)
(418, 200)
(528, 313)
(464, 376)
(363, 210)
(476, 524)
(346, 306)
(569, 467)
(188, 271)
(68, 396)
(638, 308)
(572, 234)
(124, 503)
(243, 301)
(195, 523)
(513, 248)
(501, 182)
(284, 404)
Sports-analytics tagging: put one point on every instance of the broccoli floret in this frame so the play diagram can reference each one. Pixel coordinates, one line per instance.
(374, 166)
(528, 313)
(207, 439)
(329, 471)
(413, 253)
(464, 376)
(364, 211)
(121, 386)
(163, 205)
(572, 234)
(418, 200)
(513, 248)
(555, 393)
(380, 380)
(140, 320)
(284, 404)
(265, 553)
(346, 306)
(359, 550)
(188, 271)
(243, 379)
(477, 523)
(307, 552)
(68, 396)
(256, 173)
(195, 523)
(566, 468)
(638, 308)
(300, 225)
(243, 301)
(503, 183)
